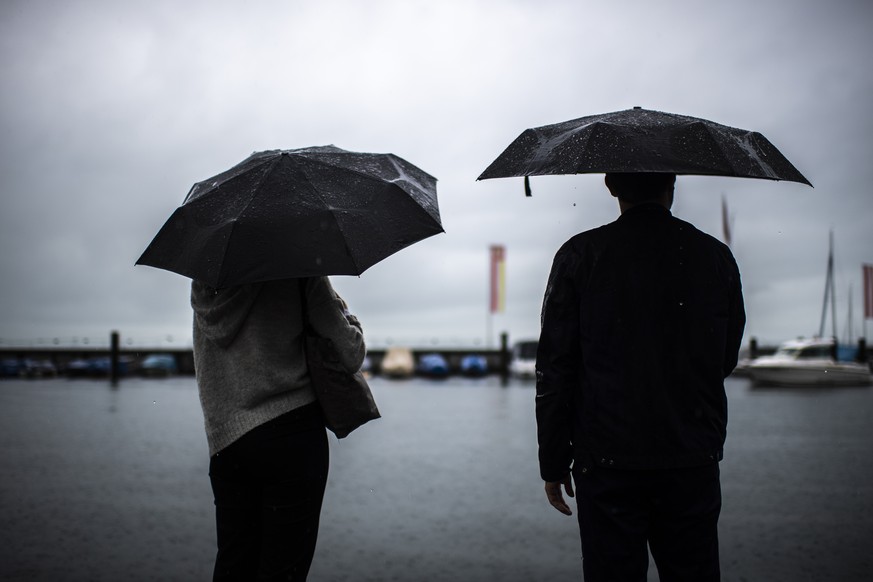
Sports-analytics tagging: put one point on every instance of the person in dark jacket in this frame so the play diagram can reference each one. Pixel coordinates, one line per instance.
(642, 320)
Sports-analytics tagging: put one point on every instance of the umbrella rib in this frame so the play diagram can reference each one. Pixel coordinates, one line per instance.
(260, 183)
(748, 148)
(353, 170)
(746, 144)
(594, 126)
(321, 196)
(222, 270)
(391, 157)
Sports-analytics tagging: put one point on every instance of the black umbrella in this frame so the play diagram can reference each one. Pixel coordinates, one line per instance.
(639, 140)
(297, 213)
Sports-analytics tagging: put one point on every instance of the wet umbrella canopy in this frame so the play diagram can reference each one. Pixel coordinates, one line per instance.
(297, 213)
(639, 140)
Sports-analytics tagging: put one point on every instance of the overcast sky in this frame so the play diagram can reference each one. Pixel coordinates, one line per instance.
(112, 110)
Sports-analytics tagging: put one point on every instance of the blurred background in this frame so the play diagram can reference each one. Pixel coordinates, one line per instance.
(111, 111)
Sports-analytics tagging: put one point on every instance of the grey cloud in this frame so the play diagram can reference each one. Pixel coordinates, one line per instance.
(110, 112)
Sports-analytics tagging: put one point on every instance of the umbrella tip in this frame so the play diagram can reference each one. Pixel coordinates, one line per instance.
(637, 107)
(527, 186)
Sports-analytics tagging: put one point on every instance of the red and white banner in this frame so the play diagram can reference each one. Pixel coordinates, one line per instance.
(498, 278)
(868, 291)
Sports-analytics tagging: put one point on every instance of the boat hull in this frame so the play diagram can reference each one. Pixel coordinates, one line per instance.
(839, 374)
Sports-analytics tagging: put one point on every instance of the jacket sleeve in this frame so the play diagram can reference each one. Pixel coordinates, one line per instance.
(329, 317)
(736, 320)
(558, 361)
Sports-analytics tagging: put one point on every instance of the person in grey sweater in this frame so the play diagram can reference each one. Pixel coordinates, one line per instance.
(267, 442)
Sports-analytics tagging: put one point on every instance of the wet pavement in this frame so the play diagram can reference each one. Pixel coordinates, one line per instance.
(102, 484)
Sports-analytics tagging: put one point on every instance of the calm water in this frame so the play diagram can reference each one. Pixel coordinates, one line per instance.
(101, 484)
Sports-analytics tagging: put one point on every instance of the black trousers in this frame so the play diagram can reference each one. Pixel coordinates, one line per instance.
(268, 488)
(624, 514)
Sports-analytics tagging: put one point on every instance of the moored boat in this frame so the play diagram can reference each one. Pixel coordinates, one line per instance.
(398, 363)
(524, 359)
(474, 365)
(433, 366)
(808, 362)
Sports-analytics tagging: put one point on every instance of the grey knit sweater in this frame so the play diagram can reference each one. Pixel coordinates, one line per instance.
(248, 351)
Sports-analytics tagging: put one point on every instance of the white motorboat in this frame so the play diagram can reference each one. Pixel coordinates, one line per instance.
(524, 359)
(808, 362)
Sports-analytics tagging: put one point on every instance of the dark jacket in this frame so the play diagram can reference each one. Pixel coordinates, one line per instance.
(642, 321)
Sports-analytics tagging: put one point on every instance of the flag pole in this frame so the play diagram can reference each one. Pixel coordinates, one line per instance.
(867, 272)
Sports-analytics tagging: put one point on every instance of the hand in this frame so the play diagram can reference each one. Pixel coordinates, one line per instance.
(553, 492)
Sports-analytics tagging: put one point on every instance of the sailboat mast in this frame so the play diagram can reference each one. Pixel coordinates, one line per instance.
(833, 289)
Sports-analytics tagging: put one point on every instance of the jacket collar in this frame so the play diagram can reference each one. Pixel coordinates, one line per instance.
(645, 209)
